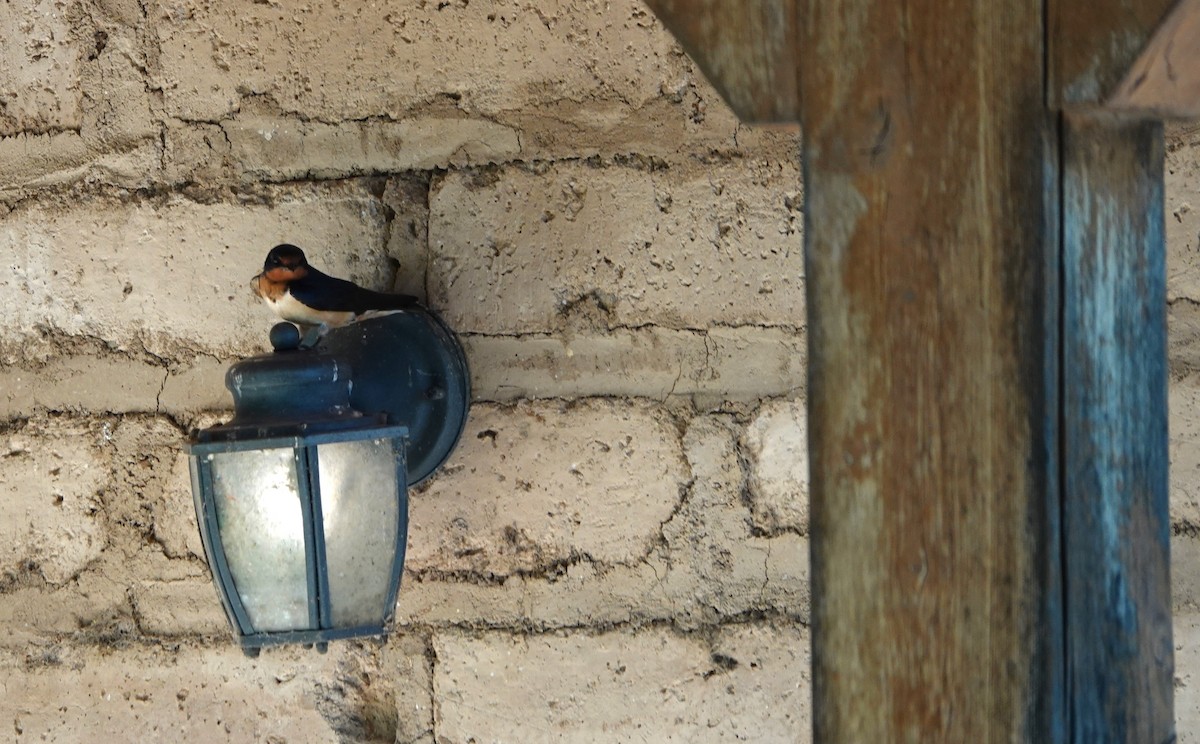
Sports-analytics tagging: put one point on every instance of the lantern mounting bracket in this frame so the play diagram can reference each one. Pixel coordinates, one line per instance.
(409, 366)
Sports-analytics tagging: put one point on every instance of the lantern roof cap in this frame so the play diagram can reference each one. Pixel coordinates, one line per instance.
(289, 392)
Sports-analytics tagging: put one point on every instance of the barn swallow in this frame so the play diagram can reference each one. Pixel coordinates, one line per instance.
(299, 293)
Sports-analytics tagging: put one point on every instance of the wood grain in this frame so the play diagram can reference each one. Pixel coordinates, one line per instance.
(746, 50)
(1164, 81)
(1116, 520)
(932, 296)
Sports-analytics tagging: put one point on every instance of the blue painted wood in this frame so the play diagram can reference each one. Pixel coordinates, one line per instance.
(1120, 669)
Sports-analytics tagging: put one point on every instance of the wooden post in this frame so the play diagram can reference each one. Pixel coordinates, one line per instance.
(987, 398)
(928, 154)
(1116, 521)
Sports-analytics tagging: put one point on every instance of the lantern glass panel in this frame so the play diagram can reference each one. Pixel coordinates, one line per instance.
(360, 503)
(257, 498)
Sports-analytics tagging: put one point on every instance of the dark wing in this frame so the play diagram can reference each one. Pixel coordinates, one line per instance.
(324, 292)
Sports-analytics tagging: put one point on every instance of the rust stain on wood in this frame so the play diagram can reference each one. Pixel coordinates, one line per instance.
(746, 50)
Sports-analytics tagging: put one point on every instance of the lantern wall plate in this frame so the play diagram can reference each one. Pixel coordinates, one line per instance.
(410, 366)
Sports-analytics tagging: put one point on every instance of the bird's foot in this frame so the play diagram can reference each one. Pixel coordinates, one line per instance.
(312, 335)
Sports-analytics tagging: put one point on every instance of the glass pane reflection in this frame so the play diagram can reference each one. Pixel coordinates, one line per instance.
(262, 532)
(360, 505)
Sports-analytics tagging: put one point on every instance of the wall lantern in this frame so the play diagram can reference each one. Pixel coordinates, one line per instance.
(302, 498)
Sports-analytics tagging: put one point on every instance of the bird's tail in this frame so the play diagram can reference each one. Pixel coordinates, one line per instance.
(386, 301)
(374, 314)
(399, 302)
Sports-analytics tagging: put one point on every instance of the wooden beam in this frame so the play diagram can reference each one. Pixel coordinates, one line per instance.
(1165, 79)
(1116, 521)
(933, 317)
(1092, 43)
(746, 50)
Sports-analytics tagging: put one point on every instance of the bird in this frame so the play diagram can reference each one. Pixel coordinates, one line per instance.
(301, 294)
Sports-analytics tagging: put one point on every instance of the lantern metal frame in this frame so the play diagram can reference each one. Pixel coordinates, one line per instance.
(402, 377)
(320, 610)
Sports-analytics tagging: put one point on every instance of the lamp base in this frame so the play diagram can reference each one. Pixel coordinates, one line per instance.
(409, 365)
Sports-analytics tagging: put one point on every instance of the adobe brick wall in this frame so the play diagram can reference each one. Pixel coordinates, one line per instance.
(618, 548)
(622, 259)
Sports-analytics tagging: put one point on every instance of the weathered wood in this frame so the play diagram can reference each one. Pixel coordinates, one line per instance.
(1092, 44)
(933, 316)
(746, 50)
(1164, 81)
(1116, 521)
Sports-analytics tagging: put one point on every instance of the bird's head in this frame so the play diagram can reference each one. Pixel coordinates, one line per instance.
(284, 263)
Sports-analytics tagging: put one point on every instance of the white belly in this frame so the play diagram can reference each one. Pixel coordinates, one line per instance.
(288, 308)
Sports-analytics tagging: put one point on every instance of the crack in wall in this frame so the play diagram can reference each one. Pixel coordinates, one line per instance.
(705, 330)
(123, 632)
(159, 394)
(232, 179)
(549, 571)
